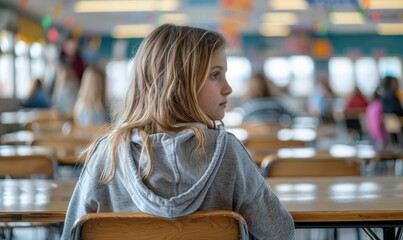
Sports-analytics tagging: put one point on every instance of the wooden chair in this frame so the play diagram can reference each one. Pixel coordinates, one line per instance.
(21, 166)
(199, 225)
(66, 149)
(311, 167)
(26, 166)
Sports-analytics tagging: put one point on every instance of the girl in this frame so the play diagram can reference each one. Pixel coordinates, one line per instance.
(90, 107)
(166, 156)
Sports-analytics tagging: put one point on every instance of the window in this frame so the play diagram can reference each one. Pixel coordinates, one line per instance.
(22, 74)
(390, 66)
(6, 65)
(303, 75)
(239, 70)
(51, 53)
(341, 77)
(278, 70)
(367, 75)
(118, 78)
(296, 72)
(37, 61)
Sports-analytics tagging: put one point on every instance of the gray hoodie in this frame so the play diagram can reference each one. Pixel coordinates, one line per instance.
(183, 181)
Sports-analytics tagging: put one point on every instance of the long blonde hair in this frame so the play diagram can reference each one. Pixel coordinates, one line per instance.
(169, 70)
(91, 95)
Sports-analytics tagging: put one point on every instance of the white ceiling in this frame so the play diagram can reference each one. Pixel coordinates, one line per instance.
(205, 13)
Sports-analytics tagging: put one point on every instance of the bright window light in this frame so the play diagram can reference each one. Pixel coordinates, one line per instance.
(367, 75)
(239, 70)
(390, 66)
(342, 80)
(278, 70)
(303, 73)
(118, 78)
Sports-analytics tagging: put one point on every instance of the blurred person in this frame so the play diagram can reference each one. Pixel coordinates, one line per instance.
(65, 92)
(38, 97)
(90, 107)
(261, 104)
(320, 101)
(70, 56)
(374, 120)
(353, 108)
(389, 99)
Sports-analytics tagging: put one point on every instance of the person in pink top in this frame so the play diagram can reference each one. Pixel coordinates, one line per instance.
(374, 120)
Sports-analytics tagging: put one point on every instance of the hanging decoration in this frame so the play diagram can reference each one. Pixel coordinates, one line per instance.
(233, 16)
(68, 22)
(321, 49)
(23, 5)
(375, 16)
(53, 35)
(46, 21)
(77, 31)
(57, 10)
(28, 30)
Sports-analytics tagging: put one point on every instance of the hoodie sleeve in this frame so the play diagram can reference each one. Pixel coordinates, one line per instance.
(80, 203)
(267, 218)
(87, 195)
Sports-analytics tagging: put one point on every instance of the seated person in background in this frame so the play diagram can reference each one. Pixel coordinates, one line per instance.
(65, 91)
(320, 101)
(355, 105)
(374, 120)
(165, 154)
(261, 105)
(90, 107)
(389, 100)
(37, 97)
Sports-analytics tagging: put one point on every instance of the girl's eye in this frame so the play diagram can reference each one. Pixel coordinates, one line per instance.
(215, 76)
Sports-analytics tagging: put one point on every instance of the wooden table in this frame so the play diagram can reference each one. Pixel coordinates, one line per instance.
(64, 148)
(352, 202)
(363, 152)
(34, 200)
(27, 116)
(22, 150)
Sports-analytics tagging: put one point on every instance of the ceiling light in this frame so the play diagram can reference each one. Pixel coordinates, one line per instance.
(385, 4)
(288, 4)
(274, 30)
(285, 18)
(126, 6)
(346, 18)
(176, 18)
(132, 31)
(389, 28)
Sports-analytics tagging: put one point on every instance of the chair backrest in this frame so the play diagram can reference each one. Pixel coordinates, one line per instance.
(311, 167)
(199, 225)
(26, 166)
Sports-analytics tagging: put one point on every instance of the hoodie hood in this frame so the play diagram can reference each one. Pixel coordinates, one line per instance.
(180, 177)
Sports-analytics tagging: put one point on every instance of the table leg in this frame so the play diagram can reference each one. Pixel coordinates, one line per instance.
(371, 233)
(389, 233)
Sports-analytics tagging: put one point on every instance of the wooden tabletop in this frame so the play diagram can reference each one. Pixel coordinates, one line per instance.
(364, 152)
(344, 199)
(21, 150)
(34, 200)
(25, 116)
